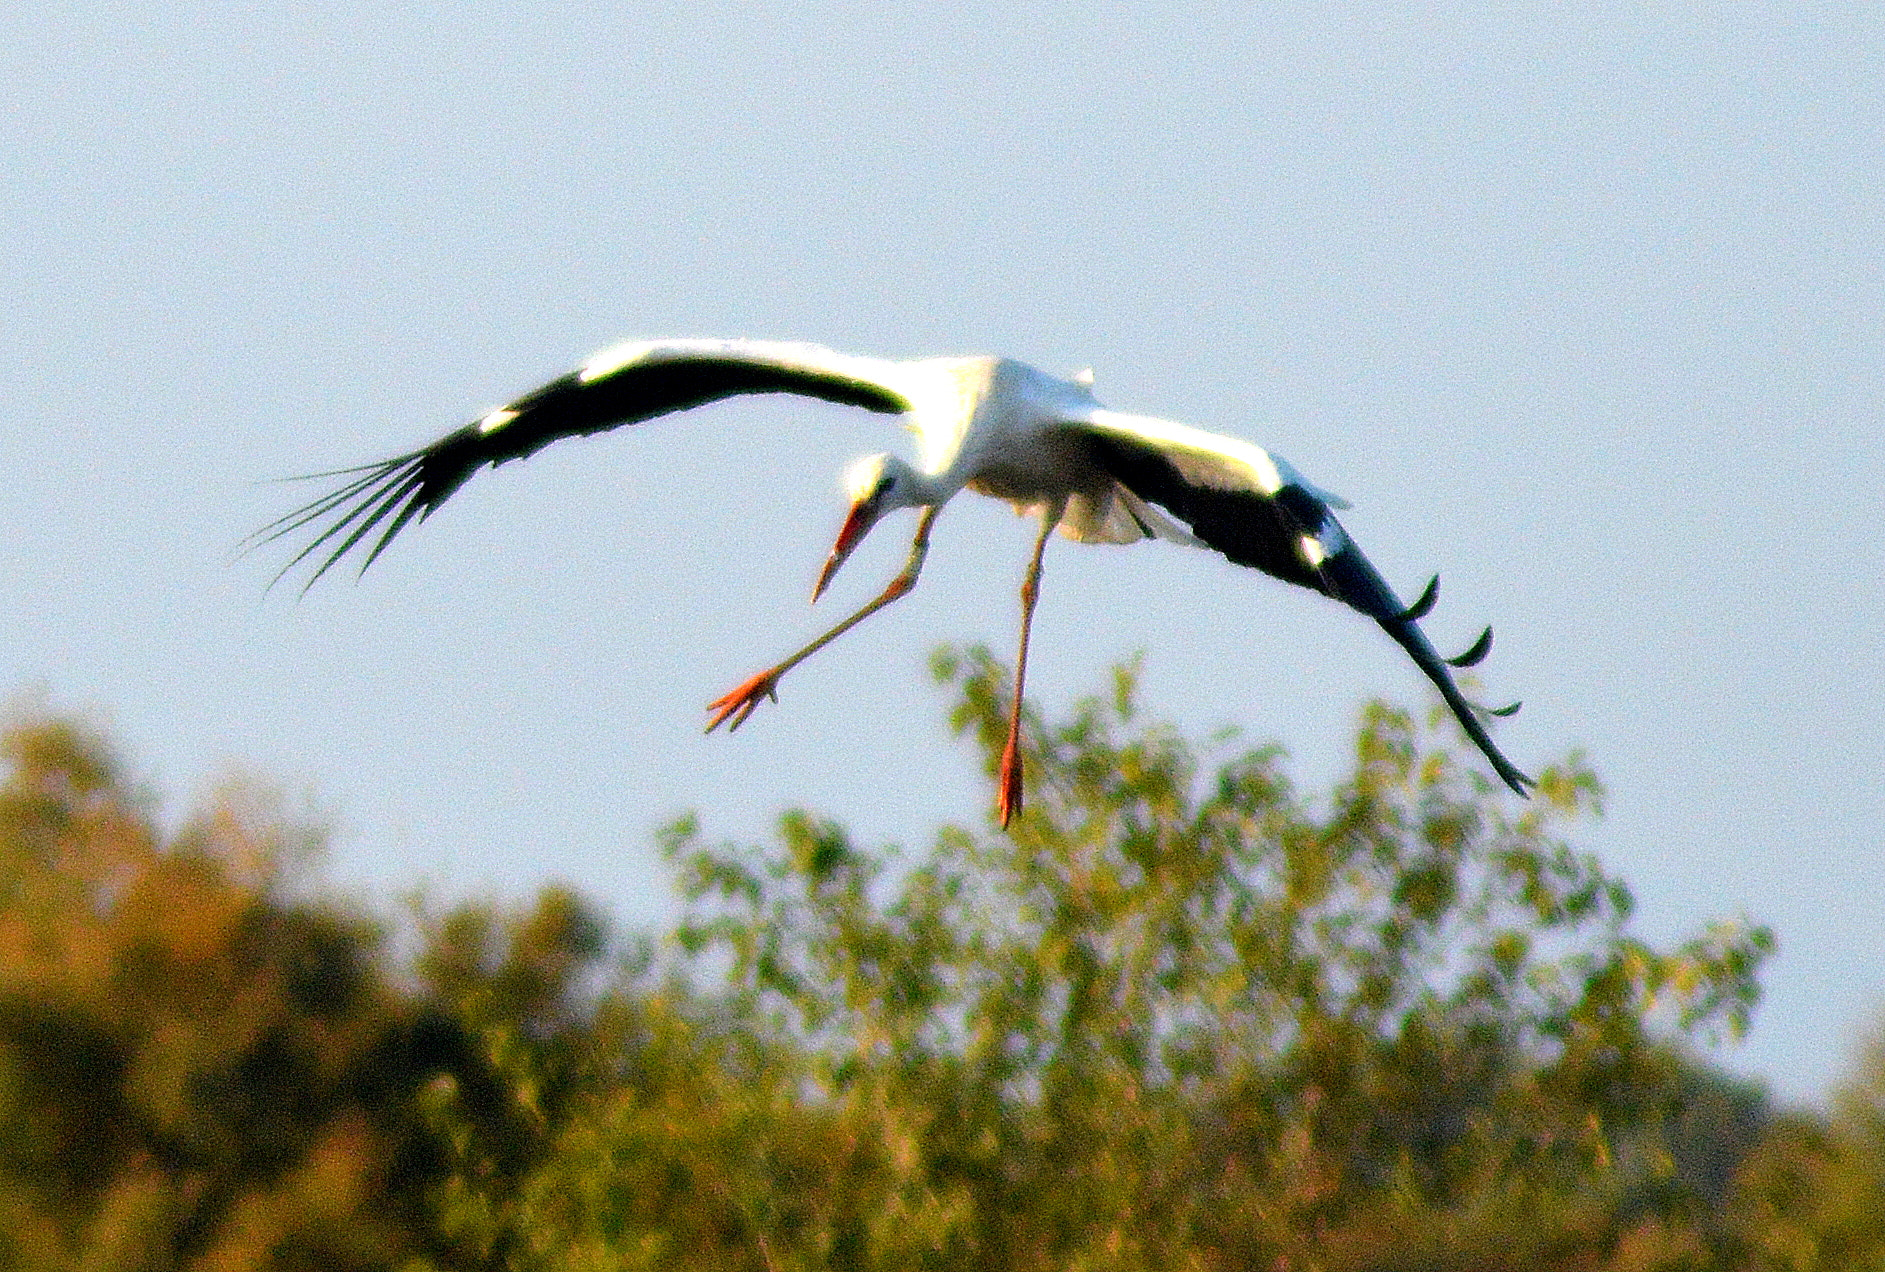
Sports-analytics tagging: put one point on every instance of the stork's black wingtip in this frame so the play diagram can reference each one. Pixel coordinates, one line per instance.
(1475, 654)
(1424, 605)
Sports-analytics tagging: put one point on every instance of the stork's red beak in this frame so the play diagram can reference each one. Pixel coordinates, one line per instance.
(857, 524)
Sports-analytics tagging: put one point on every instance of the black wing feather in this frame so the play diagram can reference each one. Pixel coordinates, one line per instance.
(571, 407)
(1475, 654)
(1249, 528)
(1266, 531)
(412, 485)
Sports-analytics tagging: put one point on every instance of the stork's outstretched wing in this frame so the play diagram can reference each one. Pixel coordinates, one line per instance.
(1256, 510)
(624, 384)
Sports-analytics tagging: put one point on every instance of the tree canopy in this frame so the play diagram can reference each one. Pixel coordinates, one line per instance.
(1183, 1015)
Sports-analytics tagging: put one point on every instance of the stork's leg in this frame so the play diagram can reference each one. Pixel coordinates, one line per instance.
(1008, 798)
(734, 707)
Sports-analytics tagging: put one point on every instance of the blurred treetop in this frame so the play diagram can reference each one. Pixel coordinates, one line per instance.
(1182, 1016)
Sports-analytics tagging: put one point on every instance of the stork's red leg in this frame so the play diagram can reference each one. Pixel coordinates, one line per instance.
(744, 698)
(731, 709)
(1008, 794)
(1008, 797)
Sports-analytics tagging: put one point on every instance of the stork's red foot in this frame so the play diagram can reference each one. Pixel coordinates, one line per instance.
(740, 703)
(1008, 799)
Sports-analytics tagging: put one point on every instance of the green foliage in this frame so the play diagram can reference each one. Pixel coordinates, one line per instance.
(184, 1054)
(1183, 1016)
(1812, 1194)
(530, 1046)
(198, 1069)
(1171, 1020)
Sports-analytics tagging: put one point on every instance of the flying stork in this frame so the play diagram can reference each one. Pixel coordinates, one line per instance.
(987, 424)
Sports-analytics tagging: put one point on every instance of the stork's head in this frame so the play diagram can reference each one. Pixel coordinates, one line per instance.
(876, 484)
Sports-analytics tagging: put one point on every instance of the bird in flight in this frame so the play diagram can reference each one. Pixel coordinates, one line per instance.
(987, 424)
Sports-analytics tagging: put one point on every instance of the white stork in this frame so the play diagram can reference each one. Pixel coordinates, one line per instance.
(991, 425)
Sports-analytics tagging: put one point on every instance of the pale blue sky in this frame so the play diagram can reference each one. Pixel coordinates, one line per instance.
(1578, 304)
